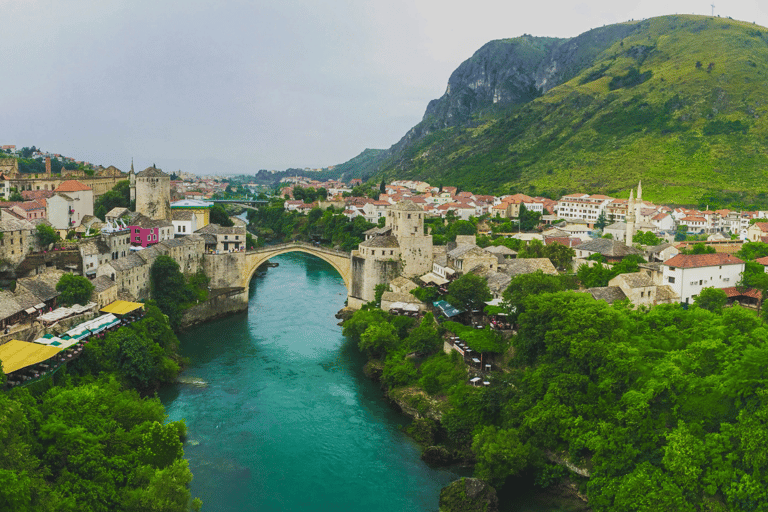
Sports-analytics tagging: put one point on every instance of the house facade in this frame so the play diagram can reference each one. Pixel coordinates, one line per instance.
(688, 274)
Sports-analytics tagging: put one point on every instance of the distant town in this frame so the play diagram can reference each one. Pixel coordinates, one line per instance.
(54, 223)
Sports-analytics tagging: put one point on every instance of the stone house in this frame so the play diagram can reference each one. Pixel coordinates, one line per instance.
(640, 289)
(131, 274)
(18, 237)
(467, 257)
(227, 239)
(95, 252)
(104, 291)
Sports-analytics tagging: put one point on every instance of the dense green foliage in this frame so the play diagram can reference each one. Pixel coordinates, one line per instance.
(143, 355)
(119, 196)
(272, 222)
(646, 238)
(88, 444)
(74, 289)
(93, 447)
(599, 274)
(46, 235)
(172, 291)
(672, 399)
(469, 292)
(220, 216)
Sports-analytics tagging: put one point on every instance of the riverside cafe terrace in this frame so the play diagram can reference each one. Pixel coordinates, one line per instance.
(25, 362)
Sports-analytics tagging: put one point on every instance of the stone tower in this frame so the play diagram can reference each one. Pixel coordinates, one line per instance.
(407, 222)
(132, 182)
(153, 193)
(631, 217)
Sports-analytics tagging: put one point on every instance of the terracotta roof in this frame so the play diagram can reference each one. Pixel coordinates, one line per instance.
(735, 291)
(762, 261)
(702, 260)
(763, 226)
(71, 186)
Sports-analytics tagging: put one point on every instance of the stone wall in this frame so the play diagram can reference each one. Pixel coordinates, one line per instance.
(225, 270)
(63, 260)
(221, 304)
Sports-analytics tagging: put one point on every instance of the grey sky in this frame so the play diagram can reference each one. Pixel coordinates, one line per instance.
(235, 86)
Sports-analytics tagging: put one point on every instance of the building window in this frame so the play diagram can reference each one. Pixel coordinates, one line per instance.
(671, 279)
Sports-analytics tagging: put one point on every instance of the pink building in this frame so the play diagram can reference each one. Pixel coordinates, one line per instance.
(144, 236)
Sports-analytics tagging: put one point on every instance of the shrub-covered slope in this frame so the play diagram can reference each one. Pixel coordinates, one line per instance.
(677, 101)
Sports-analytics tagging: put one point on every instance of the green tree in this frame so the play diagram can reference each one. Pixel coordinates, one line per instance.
(378, 339)
(425, 339)
(646, 238)
(219, 216)
(74, 289)
(469, 292)
(119, 196)
(500, 453)
(532, 249)
(46, 235)
(711, 299)
(601, 221)
(559, 254)
(169, 289)
(523, 286)
(700, 248)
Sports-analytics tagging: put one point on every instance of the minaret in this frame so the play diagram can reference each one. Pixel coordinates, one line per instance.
(132, 182)
(639, 201)
(630, 220)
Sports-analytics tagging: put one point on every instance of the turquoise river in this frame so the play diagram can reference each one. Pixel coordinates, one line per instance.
(286, 420)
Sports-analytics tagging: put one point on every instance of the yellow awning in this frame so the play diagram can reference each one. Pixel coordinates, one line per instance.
(121, 307)
(16, 354)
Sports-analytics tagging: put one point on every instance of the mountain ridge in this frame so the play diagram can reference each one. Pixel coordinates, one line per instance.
(677, 101)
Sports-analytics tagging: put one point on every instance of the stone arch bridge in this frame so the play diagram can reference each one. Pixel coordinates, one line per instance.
(339, 260)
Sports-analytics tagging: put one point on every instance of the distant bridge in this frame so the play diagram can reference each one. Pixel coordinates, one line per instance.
(339, 260)
(239, 201)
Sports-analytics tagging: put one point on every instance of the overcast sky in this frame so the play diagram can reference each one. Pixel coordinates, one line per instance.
(235, 86)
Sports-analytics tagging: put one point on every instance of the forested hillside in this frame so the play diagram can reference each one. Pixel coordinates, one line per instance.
(677, 101)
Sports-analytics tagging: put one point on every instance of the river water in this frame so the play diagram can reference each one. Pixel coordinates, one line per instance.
(287, 421)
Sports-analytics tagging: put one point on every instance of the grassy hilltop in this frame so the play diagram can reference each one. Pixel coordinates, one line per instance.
(680, 102)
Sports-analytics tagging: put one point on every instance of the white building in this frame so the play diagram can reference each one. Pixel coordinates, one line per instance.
(582, 207)
(688, 274)
(70, 202)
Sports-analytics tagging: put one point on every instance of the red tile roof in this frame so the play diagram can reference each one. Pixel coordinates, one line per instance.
(702, 260)
(734, 291)
(762, 261)
(72, 186)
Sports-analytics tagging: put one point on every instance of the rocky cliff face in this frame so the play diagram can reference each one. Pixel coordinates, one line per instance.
(515, 71)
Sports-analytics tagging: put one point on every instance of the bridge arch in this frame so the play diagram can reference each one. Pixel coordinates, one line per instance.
(339, 260)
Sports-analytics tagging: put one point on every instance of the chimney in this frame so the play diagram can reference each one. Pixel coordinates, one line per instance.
(48, 165)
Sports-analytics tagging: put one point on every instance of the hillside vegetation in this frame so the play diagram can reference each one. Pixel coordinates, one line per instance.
(677, 101)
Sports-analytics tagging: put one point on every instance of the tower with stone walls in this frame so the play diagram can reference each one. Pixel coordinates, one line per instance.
(407, 222)
(153, 193)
